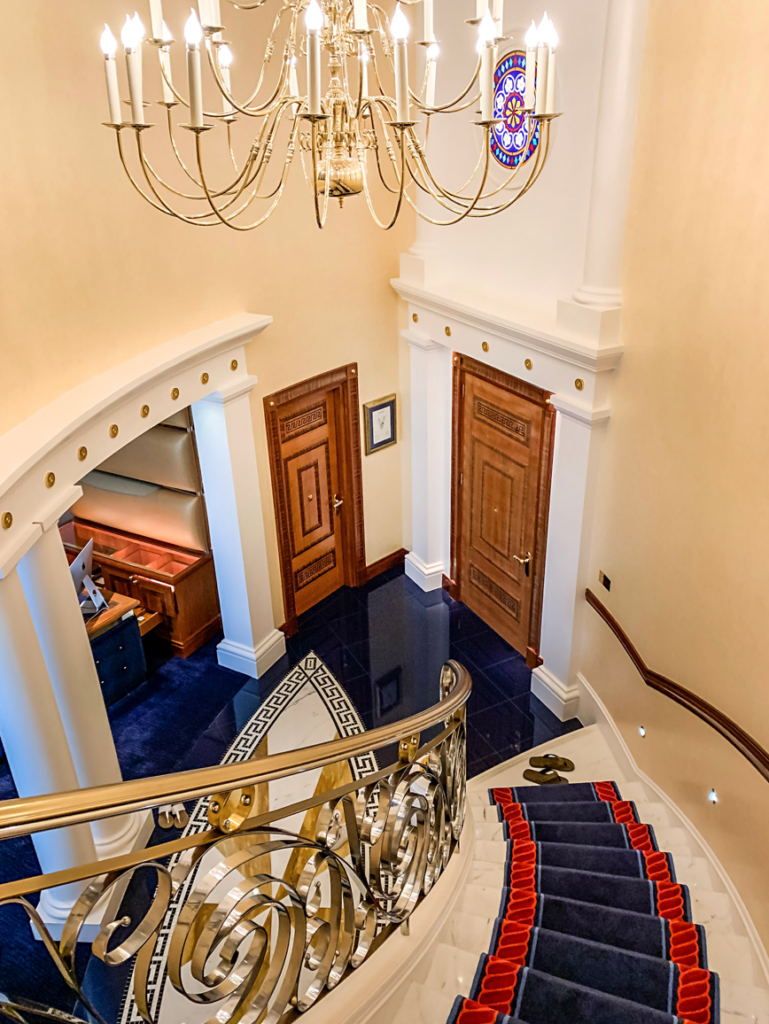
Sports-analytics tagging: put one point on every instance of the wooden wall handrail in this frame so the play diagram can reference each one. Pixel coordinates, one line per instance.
(735, 734)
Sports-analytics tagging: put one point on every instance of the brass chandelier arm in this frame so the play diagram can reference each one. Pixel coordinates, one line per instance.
(320, 218)
(446, 107)
(456, 197)
(277, 193)
(536, 171)
(24, 816)
(129, 175)
(195, 218)
(401, 190)
(246, 109)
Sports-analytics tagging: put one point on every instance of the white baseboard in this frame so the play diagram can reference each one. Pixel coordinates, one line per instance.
(252, 661)
(428, 577)
(562, 700)
(594, 711)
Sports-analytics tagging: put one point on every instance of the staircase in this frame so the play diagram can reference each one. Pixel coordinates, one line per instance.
(604, 966)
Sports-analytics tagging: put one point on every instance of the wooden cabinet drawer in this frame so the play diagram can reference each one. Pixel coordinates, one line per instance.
(155, 595)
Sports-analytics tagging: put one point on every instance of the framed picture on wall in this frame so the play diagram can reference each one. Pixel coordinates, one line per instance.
(379, 423)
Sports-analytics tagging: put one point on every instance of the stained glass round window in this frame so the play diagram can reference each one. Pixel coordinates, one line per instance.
(512, 141)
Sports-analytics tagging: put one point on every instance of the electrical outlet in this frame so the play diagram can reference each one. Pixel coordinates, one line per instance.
(603, 578)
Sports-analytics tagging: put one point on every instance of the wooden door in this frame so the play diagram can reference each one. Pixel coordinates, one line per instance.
(503, 451)
(314, 437)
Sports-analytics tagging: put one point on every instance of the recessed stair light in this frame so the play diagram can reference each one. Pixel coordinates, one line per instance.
(713, 796)
(641, 730)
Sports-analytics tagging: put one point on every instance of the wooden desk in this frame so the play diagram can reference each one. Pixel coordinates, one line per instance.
(120, 605)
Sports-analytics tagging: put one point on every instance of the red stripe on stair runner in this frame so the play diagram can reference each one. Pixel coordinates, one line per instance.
(670, 901)
(693, 1001)
(640, 838)
(623, 813)
(523, 865)
(684, 943)
(474, 1013)
(606, 791)
(657, 866)
(521, 909)
(498, 985)
(513, 942)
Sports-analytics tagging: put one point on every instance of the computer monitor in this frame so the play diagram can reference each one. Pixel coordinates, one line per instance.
(81, 570)
(82, 566)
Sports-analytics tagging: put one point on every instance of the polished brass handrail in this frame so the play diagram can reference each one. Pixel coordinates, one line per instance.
(750, 749)
(26, 815)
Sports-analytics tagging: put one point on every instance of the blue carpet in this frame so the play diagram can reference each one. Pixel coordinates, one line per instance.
(384, 642)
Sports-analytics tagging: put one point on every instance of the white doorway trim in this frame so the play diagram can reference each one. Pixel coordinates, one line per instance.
(438, 325)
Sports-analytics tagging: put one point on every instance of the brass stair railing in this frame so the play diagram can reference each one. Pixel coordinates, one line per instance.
(253, 944)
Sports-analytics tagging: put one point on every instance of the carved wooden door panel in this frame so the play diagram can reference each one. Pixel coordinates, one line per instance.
(310, 467)
(501, 500)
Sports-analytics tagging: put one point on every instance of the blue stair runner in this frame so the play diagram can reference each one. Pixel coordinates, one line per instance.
(593, 927)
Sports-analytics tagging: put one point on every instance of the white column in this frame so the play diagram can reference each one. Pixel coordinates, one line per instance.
(575, 467)
(615, 137)
(35, 742)
(430, 556)
(53, 606)
(225, 437)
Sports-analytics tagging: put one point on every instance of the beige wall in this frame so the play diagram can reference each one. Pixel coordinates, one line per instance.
(90, 274)
(682, 522)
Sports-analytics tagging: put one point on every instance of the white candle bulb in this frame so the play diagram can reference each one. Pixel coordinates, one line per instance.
(481, 6)
(165, 64)
(131, 37)
(531, 66)
(108, 42)
(399, 28)
(433, 52)
(156, 18)
(364, 62)
(108, 45)
(553, 42)
(224, 57)
(216, 17)
(193, 35)
(486, 35)
(543, 59)
(313, 18)
(313, 21)
(429, 32)
(360, 15)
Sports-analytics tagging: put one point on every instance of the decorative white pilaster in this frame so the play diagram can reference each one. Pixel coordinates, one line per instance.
(35, 742)
(53, 606)
(575, 466)
(225, 439)
(430, 553)
(615, 137)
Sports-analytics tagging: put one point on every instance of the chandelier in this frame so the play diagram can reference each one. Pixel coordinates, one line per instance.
(366, 132)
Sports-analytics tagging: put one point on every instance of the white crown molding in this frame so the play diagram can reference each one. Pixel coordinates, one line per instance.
(568, 350)
(197, 363)
(578, 412)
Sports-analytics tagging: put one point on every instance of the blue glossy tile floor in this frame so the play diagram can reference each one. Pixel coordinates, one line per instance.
(385, 643)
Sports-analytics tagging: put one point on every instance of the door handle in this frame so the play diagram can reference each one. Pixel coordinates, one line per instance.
(338, 502)
(525, 562)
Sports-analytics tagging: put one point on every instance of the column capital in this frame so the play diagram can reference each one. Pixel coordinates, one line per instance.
(236, 390)
(420, 340)
(580, 413)
(59, 506)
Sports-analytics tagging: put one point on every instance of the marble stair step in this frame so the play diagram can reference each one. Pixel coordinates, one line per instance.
(492, 831)
(714, 910)
(731, 958)
(468, 932)
(481, 900)
(743, 1004)
(671, 838)
(423, 1005)
(493, 850)
(488, 874)
(695, 872)
(486, 815)
(452, 971)
(655, 814)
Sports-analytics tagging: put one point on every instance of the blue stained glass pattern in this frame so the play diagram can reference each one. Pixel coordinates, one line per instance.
(512, 141)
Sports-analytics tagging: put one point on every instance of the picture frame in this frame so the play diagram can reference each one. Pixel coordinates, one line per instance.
(380, 423)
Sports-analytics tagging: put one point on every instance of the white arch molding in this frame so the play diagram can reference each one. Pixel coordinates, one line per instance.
(53, 722)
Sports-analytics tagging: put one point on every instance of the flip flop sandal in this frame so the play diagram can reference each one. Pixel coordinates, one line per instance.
(544, 778)
(553, 761)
